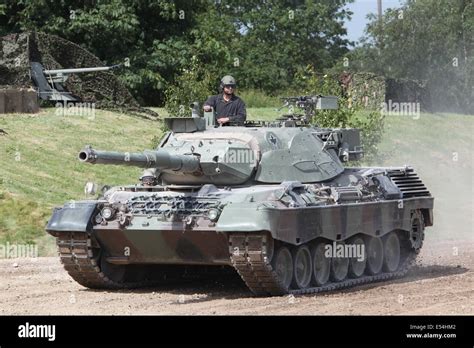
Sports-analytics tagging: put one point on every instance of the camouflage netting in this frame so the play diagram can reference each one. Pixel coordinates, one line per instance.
(365, 90)
(14, 61)
(369, 91)
(102, 88)
(408, 91)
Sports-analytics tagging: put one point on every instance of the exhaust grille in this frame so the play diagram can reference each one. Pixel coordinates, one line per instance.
(409, 183)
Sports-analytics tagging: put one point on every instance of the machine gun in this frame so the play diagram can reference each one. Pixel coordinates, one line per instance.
(50, 83)
(309, 104)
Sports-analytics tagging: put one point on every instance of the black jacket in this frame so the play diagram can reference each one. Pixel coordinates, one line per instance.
(234, 108)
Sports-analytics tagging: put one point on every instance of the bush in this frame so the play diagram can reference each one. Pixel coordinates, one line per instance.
(255, 98)
(370, 122)
(193, 85)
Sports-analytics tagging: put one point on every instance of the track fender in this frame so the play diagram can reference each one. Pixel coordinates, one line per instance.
(72, 217)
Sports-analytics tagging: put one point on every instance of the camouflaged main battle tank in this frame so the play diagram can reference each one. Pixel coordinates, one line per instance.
(270, 199)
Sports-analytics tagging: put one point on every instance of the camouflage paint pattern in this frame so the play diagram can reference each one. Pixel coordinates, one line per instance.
(295, 188)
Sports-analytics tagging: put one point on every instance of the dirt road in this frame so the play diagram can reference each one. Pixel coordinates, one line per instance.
(441, 283)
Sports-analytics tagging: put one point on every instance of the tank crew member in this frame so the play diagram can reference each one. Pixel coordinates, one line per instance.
(229, 108)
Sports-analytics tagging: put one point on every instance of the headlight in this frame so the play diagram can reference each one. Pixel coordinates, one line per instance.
(107, 213)
(213, 214)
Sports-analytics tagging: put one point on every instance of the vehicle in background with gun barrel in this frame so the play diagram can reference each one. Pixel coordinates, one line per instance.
(271, 200)
(309, 104)
(51, 83)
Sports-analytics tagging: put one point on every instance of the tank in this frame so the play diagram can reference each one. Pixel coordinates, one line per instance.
(274, 201)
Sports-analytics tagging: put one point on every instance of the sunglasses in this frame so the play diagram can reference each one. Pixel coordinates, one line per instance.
(229, 86)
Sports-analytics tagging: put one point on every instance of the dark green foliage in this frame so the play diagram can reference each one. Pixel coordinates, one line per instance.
(261, 45)
(256, 98)
(192, 85)
(280, 37)
(350, 113)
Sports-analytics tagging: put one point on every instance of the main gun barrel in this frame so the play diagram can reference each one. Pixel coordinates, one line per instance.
(159, 159)
(80, 70)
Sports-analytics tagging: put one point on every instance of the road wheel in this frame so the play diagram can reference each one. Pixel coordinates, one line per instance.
(358, 263)
(321, 264)
(303, 267)
(374, 255)
(282, 263)
(339, 267)
(391, 259)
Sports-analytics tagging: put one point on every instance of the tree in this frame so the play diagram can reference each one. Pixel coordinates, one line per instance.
(426, 40)
(276, 38)
(153, 36)
(263, 44)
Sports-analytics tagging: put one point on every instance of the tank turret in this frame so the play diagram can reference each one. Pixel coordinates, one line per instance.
(195, 151)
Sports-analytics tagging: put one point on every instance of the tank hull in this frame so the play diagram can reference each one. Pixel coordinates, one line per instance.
(178, 244)
(255, 226)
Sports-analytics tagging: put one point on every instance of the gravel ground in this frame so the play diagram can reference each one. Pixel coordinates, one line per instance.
(442, 283)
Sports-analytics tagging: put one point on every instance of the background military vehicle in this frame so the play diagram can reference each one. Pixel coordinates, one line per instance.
(273, 200)
(50, 83)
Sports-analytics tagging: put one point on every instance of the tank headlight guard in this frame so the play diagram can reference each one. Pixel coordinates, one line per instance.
(107, 213)
(213, 214)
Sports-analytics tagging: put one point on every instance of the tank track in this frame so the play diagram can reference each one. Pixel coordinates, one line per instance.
(80, 255)
(80, 260)
(248, 253)
(249, 257)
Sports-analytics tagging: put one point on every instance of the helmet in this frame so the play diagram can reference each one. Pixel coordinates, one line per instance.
(227, 80)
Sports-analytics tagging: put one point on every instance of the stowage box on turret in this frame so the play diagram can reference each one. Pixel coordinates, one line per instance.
(272, 200)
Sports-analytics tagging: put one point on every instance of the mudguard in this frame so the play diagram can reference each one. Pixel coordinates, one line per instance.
(72, 217)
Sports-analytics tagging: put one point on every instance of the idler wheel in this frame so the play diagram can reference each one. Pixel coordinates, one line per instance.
(417, 233)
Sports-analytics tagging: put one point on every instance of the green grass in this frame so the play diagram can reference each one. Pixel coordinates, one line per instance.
(441, 148)
(434, 134)
(22, 221)
(39, 155)
(39, 167)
